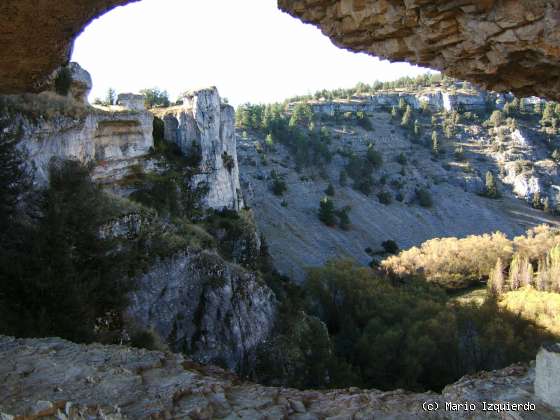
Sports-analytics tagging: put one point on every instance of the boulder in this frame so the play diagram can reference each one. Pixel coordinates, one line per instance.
(547, 376)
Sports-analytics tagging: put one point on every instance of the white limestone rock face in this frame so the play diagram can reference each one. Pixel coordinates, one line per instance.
(132, 101)
(212, 310)
(203, 123)
(437, 99)
(113, 140)
(547, 376)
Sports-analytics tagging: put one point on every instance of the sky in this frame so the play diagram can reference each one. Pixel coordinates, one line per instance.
(249, 49)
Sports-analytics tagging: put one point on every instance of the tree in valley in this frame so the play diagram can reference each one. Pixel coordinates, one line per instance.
(491, 188)
(327, 213)
(435, 143)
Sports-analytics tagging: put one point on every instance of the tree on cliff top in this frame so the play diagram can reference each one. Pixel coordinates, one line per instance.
(154, 97)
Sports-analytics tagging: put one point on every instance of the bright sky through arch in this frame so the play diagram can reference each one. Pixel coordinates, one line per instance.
(247, 48)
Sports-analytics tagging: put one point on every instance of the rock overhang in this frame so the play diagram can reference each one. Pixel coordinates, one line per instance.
(502, 45)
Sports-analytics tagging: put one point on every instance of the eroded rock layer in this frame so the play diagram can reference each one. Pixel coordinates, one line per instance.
(53, 378)
(501, 44)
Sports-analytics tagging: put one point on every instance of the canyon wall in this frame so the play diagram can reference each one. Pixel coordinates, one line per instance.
(205, 126)
(201, 305)
(436, 99)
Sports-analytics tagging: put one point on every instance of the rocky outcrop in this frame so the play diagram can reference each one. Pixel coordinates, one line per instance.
(436, 99)
(547, 381)
(52, 378)
(78, 79)
(503, 45)
(214, 311)
(205, 126)
(114, 140)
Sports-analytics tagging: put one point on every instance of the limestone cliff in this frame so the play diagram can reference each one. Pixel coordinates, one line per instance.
(54, 379)
(201, 305)
(436, 99)
(112, 139)
(205, 126)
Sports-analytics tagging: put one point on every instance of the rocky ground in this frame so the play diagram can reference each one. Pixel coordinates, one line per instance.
(55, 379)
(297, 239)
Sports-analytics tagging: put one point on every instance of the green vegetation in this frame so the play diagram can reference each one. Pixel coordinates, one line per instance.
(327, 213)
(154, 97)
(278, 184)
(298, 132)
(424, 197)
(385, 197)
(60, 278)
(388, 335)
(491, 188)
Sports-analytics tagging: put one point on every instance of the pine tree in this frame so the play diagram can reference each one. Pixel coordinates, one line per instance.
(330, 190)
(402, 104)
(496, 280)
(417, 132)
(110, 97)
(327, 212)
(491, 187)
(394, 112)
(407, 117)
(435, 143)
(537, 200)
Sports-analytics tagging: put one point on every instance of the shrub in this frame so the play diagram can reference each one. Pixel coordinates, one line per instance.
(278, 184)
(424, 197)
(390, 246)
(229, 162)
(364, 121)
(401, 158)
(385, 197)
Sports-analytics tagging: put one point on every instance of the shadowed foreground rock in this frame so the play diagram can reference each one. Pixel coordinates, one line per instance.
(53, 378)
